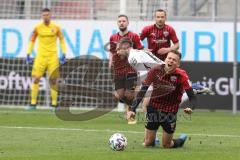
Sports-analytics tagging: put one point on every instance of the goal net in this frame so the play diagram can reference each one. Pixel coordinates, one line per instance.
(84, 82)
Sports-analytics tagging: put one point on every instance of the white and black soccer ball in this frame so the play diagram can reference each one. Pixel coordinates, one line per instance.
(117, 142)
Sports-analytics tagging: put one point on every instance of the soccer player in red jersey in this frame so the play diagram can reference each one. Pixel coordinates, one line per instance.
(162, 109)
(160, 35)
(125, 77)
(159, 38)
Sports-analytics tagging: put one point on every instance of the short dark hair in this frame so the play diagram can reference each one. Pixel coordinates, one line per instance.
(177, 53)
(46, 10)
(161, 10)
(126, 40)
(123, 15)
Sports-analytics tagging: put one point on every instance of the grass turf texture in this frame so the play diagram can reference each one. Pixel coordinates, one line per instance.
(38, 135)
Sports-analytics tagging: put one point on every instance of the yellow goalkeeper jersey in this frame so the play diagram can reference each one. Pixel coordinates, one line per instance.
(47, 39)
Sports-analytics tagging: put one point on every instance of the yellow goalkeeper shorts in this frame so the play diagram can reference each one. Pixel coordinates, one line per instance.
(43, 63)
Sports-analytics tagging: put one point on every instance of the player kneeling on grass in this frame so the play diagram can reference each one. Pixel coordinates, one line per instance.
(162, 108)
(143, 61)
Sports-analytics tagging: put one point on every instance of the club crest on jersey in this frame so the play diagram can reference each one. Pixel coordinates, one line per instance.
(165, 33)
(52, 30)
(173, 78)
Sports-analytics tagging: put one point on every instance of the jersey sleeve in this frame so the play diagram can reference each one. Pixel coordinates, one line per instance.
(144, 33)
(112, 45)
(185, 81)
(32, 41)
(174, 37)
(137, 42)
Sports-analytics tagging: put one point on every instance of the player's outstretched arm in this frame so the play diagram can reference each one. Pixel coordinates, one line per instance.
(162, 51)
(193, 101)
(175, 47)
(137, 100)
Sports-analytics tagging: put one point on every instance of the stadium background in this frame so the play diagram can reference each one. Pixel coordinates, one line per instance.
(204, 27)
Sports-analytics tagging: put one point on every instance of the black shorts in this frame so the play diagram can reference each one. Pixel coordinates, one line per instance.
(128, 81)
(156, 118)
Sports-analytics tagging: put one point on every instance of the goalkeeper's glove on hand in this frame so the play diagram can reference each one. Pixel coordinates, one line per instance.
(29, 59)
(62, 59)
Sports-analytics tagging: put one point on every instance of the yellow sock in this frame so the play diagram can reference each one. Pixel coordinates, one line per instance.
(34, 93)
(54, 94)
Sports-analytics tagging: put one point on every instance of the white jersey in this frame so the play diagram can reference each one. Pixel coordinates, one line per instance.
(142, 61)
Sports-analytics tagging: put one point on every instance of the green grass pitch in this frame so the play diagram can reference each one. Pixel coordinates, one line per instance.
(40, 135)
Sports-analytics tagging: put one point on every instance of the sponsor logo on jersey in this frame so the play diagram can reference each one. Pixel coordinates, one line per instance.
(153, 36)
(159, 41)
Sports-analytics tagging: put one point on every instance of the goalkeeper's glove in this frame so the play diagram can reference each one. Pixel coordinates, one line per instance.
(62, 59)
(29, 60)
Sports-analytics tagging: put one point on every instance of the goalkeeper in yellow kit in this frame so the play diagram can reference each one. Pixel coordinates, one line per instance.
(47, 33)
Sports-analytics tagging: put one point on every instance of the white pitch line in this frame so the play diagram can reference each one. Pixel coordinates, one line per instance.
(68, 129)
(112, 131)
(25, 112)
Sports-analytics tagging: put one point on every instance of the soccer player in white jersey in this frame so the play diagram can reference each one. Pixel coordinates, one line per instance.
(142, 61)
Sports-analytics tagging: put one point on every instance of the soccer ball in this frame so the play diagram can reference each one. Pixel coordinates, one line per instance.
(117, 142)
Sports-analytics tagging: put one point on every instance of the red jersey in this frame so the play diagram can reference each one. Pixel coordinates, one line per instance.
(179, 82)
(159, 38)
(121, 66)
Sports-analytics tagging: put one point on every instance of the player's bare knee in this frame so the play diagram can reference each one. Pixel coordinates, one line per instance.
(166, 145)
(148, 142)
